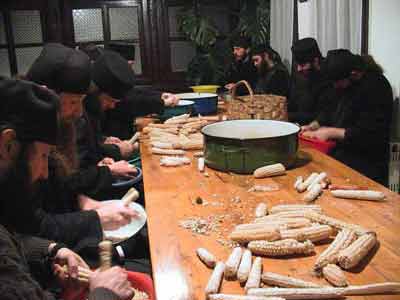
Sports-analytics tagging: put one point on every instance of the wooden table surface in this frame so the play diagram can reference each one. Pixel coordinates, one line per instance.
(170, 198)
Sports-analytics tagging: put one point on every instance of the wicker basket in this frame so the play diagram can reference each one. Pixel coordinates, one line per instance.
(263, 107)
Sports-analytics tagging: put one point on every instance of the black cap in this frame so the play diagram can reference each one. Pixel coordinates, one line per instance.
(305, 50)
(113, 75)
(30, 109)
(339, 64)
(241, 42)
(62, 69)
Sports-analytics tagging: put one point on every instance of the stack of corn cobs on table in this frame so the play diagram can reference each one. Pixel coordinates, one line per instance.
(177, 135)
(287, 230)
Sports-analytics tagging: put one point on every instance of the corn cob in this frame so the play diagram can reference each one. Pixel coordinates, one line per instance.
(342, 240)
(299, 180)
(261, 210)
(352, 255)
(131, 195)
(154, 125)
(335, 223)
(295, 207)
(265, 233)
(255, 275)
(373, 289)
(198, 154)
(134, 138)
(274, 279)
(244, 267)
(333, 187)
(314, 233)
(162, 145)
(284, 214)
(280, 248)
(105, 254)
(240, 297)
(303, 186)
(334, 275)
(232, 263)
(206, 257)
(167, 151)
(319, 179)
(300, 293)
(189, 145)
(271, 170)
(359, 195)
(200, 164)
(160, 131)
(176, 119)
(173, 161)
(215, 280)
(287, 223)
(264, 188)
(313, 193)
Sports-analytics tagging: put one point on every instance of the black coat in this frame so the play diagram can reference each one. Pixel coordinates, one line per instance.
(138, 102)
(242, 70)
(365, 111)
(307, 99)
(275, 81)
(24, 263)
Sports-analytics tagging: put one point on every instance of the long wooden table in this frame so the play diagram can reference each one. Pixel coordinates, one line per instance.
(171, 197)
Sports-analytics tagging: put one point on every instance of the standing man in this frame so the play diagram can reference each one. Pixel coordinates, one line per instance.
(273, 76)
(242, 67)
(308, 85)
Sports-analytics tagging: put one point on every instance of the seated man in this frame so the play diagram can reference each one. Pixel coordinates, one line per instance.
(361, 122)
(28, 123)
(308, 87)
(241, 68)
(273, 76)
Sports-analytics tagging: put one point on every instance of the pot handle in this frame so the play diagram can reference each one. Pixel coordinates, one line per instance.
(233, 91)
(226, 149)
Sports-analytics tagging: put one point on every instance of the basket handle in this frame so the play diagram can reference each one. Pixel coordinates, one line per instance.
(233, 91)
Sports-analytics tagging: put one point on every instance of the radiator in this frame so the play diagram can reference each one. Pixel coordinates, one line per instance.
(394, 167)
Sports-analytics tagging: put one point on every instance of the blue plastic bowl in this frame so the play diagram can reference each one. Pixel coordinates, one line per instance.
(183, 107)
(204, 103)
(125, 183)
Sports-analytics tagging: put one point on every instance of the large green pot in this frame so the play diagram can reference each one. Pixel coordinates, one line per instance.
(241, 146)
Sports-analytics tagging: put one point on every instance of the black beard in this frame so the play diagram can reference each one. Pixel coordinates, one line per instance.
(17, 206)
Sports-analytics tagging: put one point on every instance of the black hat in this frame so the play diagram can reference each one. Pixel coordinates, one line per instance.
(62, 69)
(112, 74)
(241, 42)
(339, 64)
(30, 109)
(91, 50)
(305, 50)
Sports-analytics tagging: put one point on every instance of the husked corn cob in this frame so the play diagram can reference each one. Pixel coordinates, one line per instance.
(198, 154)
(274, 279)
(255, 274)
(271, 170)
(342, 240)
(352, 255)
(373, 289)
(240, 297)
(299, 180)
(359, 195)
(162, 145)
(189, 145)
(154, 125)
(294, 207)
(280, 248)
(177, 118)
(105, 254)
(313, 193)
(284, 223)
(232, 263)
(244, 267)
(261, 210)
(304, 185)
(174, 161)
(319, 179)
(265, 233)
(284, 214)
(215, 280)
(314, 233)
(334, 275)
(206, 257)
(200, 164)
(131, 195)
(167, 151)
(299, 293)
(335, 223)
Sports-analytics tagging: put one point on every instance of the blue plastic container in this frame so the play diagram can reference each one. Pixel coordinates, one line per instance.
(183, 107)
(126, 183)
(204, 103)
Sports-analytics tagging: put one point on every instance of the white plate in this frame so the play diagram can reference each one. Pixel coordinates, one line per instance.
(125, 232)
